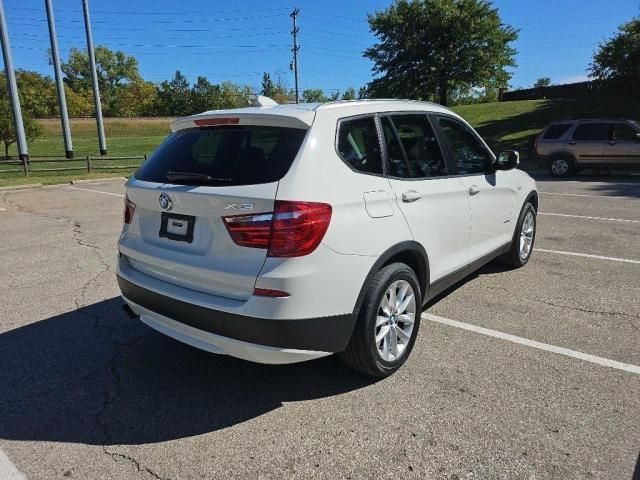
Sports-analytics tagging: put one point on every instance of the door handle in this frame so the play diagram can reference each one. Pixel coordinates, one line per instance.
(572, 142)
(411, 196)
(474, 190)
(612, 142)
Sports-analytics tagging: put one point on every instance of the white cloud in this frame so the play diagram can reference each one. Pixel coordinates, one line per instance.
(572, 79)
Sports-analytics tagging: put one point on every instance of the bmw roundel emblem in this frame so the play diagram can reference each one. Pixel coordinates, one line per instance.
(165, 201)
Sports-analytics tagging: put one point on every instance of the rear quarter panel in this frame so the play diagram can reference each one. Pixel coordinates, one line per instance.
(319, 175)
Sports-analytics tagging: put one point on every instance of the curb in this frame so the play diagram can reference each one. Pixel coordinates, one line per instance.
(96, 180)
(20, 187)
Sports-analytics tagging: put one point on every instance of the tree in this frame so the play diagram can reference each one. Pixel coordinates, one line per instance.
(37, 93)
(7, 131)
(542, 82)
(619, 57)
(313, 95)
(205, 96)
(349, 94)
(437, 46)
(268, 87)
(174, 96)
(115, 70)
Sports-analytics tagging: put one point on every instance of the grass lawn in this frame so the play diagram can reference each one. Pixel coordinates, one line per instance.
(125, 137)
(504, 125)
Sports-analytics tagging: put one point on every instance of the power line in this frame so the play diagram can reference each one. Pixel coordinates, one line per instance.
(121, 21)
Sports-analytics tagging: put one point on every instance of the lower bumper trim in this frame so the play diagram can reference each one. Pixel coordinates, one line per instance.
(325, 334)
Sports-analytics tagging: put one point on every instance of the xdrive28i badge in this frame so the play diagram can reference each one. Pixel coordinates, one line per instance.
(165, 201)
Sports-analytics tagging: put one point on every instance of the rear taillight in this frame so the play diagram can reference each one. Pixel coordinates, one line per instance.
(293, 229)
(129, 210)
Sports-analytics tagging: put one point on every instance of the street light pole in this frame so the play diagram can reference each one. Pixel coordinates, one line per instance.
(94, 78)
(21, 140)
(62, 99)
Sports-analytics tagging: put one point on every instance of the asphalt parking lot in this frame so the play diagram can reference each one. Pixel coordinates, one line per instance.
(531, 373)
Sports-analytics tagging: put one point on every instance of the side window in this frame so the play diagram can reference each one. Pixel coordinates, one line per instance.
(421, 148)
(469, 154)
(622, 131)
(591, 132)
(556, 131)
(358, 145)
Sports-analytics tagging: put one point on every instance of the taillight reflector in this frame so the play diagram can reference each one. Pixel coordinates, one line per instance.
(211, 122)
(129, 210)
(267, 292)
(293, 229)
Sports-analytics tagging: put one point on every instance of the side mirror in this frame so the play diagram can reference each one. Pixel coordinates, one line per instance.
(507, 160)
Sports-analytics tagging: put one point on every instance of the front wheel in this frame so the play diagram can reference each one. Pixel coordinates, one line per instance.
(387, 323)
(523, 238)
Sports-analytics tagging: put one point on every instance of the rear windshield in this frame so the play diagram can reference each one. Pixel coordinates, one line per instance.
(229, 155)
(556, 131)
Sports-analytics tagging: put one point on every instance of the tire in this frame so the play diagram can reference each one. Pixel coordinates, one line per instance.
(364, 353)
(516, 257)
(562, 166)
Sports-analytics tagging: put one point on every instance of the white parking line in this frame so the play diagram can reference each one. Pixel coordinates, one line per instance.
(590, 218)
(587, 195)
(599, 257)
(96, 191)
(627, 367)
(8, 471)
(3, 209)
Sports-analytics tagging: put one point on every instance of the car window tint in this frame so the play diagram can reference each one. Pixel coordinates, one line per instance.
(239, 155)
(397, 164)
(420, 146)
(359, 146)
(556, 131)
(591, 132)
(622, 131)
(469, 154)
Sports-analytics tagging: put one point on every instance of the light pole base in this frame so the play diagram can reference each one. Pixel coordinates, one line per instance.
(103, 152)
(68, 153)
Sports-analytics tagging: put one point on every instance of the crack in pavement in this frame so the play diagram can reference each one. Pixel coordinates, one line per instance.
(140, 468)
(113, 390)
(570, 307)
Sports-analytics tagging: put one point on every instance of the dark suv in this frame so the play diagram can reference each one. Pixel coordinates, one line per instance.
(567, 147)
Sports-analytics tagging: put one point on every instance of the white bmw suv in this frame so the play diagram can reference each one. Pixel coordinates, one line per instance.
(284, 233)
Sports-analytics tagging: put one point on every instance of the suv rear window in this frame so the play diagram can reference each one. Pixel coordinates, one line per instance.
(230, 155)
(556, 131)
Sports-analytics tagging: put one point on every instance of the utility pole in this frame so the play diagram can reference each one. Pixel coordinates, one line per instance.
(21, 140)
(62, 99)
(294, 32)
(94, 78)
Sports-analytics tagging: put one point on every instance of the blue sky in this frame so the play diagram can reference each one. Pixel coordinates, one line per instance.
(239, 40)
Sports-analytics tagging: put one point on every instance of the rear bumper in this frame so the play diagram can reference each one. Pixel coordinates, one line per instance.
(270, 340)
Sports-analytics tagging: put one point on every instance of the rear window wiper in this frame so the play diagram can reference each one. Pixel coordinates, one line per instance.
(195, 177)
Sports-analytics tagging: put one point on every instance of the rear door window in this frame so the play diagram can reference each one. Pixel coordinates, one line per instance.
(554, 132)
(622, 132)
(359, 146)
(592, 132)
(229, 155)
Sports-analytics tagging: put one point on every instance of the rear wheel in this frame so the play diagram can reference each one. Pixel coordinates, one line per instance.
(387, 323)
(561, 166)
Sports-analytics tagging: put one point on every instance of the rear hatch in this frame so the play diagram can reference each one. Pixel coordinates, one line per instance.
(181, 194)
